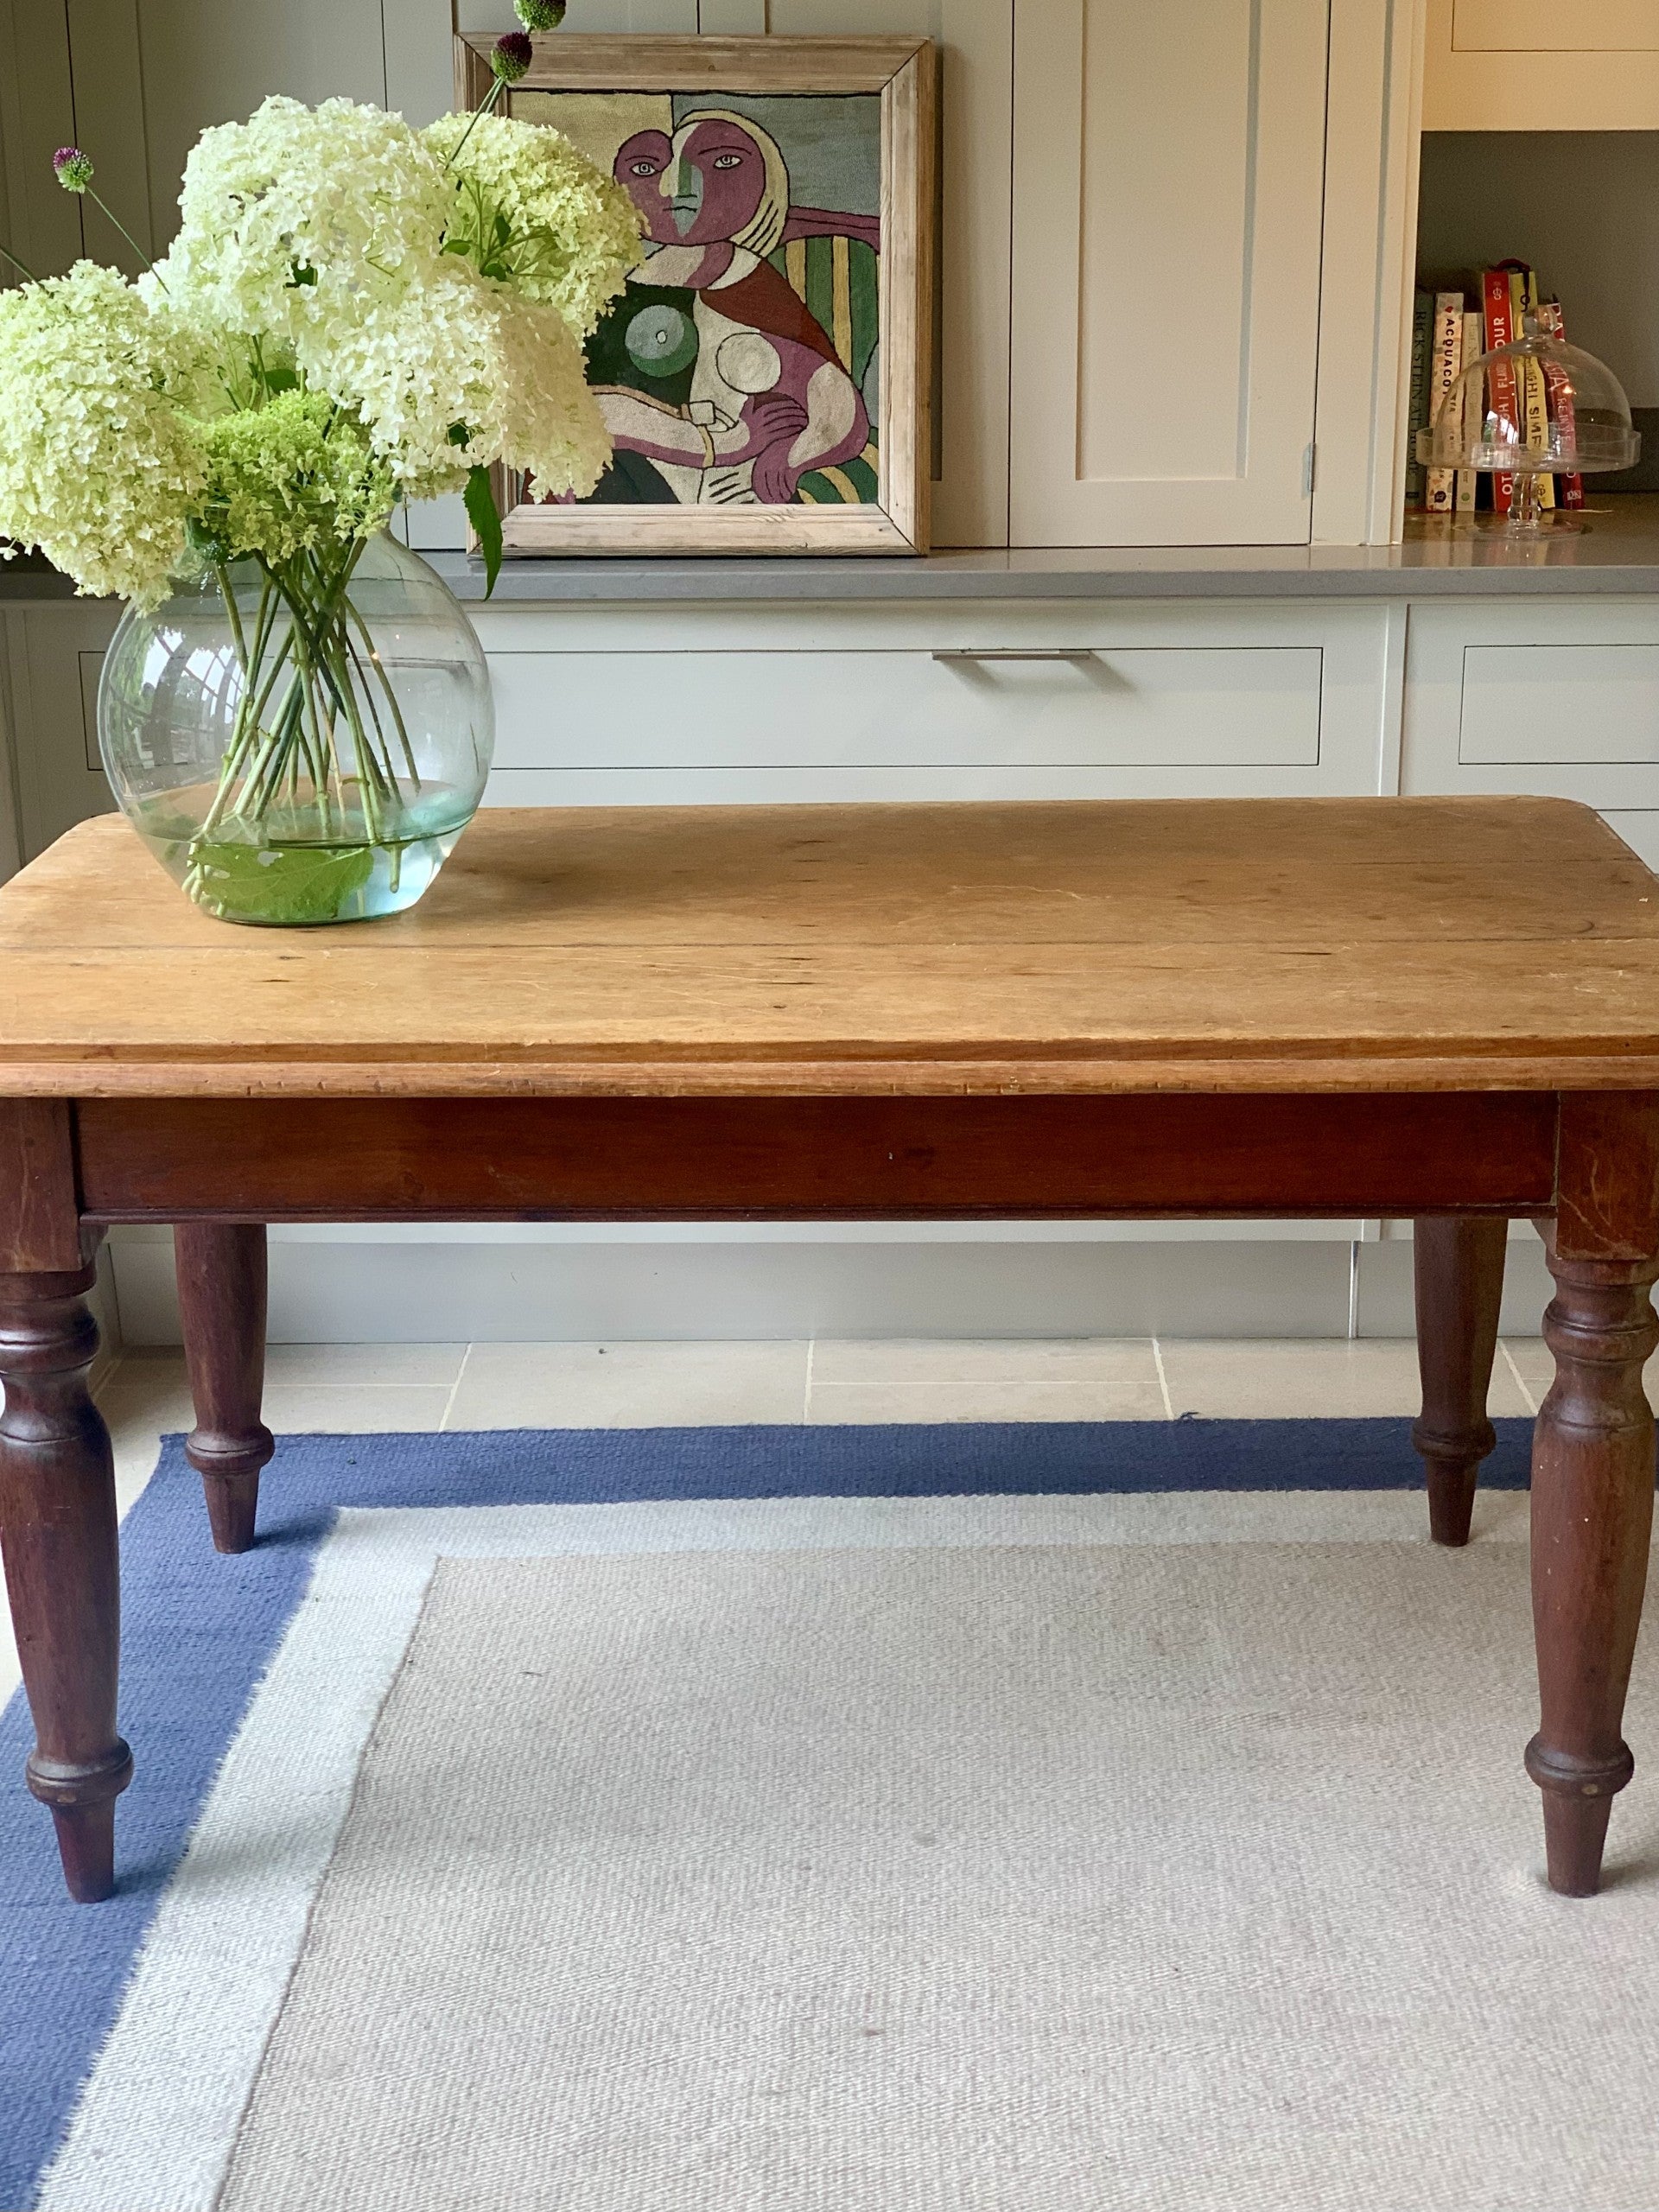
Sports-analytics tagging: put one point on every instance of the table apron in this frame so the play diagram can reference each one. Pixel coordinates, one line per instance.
(1134, 1157)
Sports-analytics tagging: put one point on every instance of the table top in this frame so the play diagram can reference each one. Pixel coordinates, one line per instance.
(1204, 944)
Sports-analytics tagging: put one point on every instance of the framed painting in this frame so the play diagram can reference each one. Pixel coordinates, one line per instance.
(765, 375)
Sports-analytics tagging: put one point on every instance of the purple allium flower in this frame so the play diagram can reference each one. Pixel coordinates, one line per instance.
(74, 171)
(539, 15)
(509, 56)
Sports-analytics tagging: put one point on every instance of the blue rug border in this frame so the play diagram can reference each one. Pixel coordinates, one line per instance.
(198, 1631)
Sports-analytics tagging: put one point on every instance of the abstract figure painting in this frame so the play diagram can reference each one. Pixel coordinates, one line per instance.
(764, 375)
(744, 367)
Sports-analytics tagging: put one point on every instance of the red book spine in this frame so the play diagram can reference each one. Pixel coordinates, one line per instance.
(1504, 386)
(1560, 402)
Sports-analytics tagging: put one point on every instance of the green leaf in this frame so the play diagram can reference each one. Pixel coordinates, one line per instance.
(482, 514)
(290, 886)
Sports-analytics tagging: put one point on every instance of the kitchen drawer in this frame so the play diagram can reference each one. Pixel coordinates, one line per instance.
(1556, 700)
(1559, 704)
(1166, 718)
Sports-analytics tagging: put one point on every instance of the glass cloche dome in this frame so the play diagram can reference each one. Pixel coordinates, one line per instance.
(1538, 407)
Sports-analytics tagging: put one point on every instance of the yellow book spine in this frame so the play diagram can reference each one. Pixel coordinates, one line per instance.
(1535, 392)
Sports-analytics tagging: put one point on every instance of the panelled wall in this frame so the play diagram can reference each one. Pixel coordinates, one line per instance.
(1173, 239)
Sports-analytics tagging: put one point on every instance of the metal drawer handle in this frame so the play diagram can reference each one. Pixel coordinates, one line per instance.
(1055, 652)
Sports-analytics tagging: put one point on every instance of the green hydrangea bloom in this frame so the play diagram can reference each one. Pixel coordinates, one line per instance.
(296, 476)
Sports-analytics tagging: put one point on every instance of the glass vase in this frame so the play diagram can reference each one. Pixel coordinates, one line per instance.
(304, 744)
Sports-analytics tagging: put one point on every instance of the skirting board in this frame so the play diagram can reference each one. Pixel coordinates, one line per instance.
(467, 1286)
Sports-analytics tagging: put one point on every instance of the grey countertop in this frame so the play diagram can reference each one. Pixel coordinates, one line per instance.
(1617, 552)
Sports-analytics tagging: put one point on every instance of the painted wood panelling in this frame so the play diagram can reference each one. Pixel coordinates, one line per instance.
(1368, 269)
(106, 63)
(676, 16)
(420, 66)
(53, 653)
(1168, 180)
(37, 115)
(199, 69)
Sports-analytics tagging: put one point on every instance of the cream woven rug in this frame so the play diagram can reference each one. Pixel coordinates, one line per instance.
(1176, 1877)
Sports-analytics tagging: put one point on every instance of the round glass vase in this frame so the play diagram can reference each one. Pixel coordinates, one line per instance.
(303, 747)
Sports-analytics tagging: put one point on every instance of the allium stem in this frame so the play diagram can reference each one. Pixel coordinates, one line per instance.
(112, 217)
(486, 106)
(15, 263)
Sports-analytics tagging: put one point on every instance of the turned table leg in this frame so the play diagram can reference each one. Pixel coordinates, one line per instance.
(221, 1273)
(1458, 1264)
(58, 1533)
(1592, 1477)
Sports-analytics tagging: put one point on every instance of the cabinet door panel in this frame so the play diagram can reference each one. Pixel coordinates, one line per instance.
(1546, 27)
(55, 654)
(1542, 64)
(1168, 175)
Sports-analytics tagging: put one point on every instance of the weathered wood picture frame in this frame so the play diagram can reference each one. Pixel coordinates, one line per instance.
(777, 399)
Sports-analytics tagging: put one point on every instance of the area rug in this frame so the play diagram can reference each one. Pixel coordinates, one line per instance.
(1051, 1817)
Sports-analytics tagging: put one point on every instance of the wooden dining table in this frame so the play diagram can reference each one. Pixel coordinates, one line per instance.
(1440, 1010)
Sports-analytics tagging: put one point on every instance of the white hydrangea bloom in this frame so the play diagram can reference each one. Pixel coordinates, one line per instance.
(466, 351)
(303, 219)
(100, 464)
(577, 232)
(313, 242)
(551, 426)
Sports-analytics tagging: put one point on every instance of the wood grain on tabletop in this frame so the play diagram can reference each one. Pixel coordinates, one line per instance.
(1215, 944)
